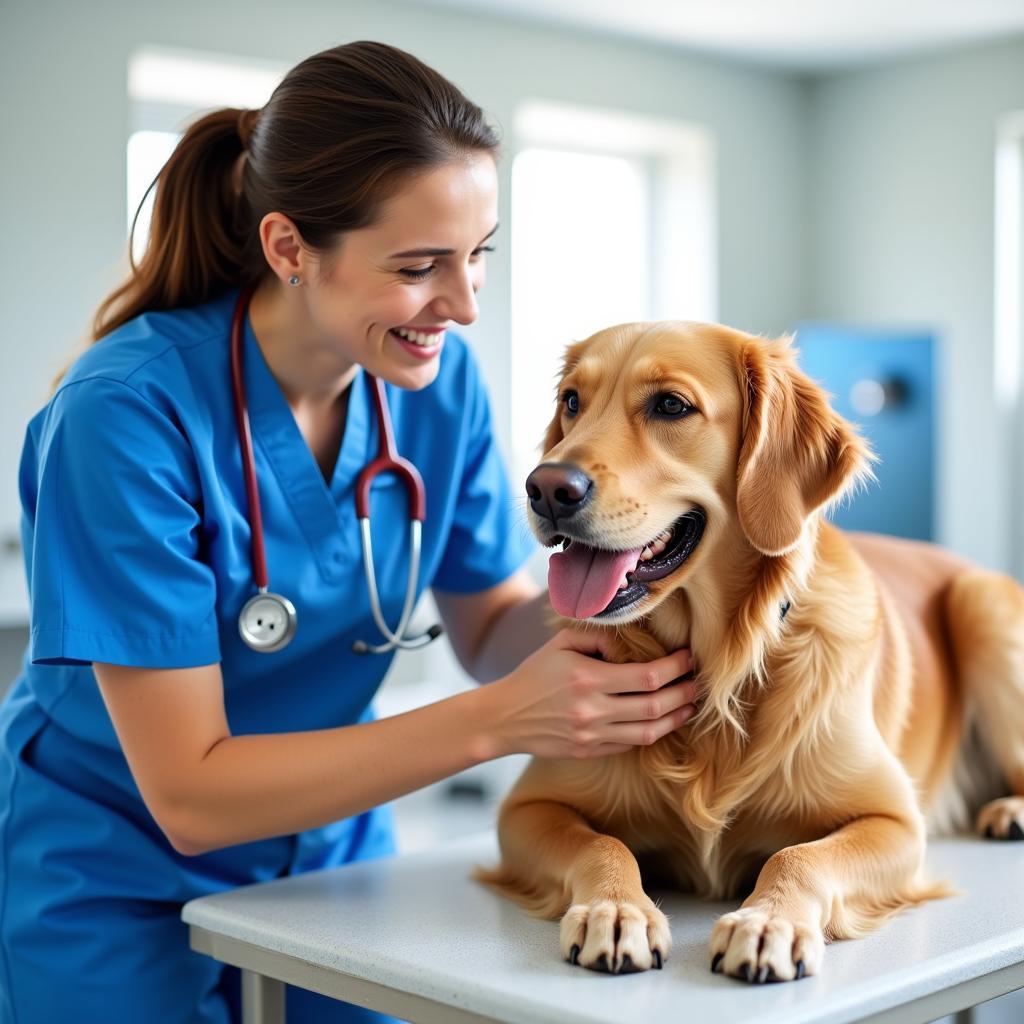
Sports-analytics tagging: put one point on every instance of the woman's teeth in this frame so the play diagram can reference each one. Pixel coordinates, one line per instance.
(418, 337)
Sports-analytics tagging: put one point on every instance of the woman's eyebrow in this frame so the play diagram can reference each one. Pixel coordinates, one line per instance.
(417, 253)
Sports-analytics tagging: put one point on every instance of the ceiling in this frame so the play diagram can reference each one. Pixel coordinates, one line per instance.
(810, 36)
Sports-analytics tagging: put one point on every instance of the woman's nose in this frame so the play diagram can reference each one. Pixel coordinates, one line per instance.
(458, 301)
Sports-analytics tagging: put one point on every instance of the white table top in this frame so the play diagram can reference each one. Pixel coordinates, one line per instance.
(418, 924)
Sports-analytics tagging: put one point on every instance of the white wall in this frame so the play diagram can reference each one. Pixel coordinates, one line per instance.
(65, 123)
(901, 182)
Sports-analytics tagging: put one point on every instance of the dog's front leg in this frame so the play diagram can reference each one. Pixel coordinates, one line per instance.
(841, 886)
(556, 864)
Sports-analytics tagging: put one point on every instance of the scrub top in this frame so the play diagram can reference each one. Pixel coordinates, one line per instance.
(137, 551)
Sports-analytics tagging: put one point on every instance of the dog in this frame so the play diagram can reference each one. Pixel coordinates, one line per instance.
(858, 692)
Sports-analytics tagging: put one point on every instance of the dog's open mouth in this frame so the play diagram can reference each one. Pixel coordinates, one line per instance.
(585, 582)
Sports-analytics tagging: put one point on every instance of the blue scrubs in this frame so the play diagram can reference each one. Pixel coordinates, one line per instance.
(137, 551)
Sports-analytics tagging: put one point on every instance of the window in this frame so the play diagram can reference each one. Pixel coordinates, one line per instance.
(612, 221)
(1009, 318)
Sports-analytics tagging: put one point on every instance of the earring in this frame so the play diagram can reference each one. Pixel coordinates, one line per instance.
(293, 280)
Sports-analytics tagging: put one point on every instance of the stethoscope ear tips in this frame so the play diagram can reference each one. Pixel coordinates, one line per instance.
(435, 631)
(361, 647)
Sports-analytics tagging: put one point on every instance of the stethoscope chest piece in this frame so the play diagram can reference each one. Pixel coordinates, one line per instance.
(267, 622)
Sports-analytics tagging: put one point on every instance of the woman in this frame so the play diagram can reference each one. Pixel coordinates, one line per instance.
(150, 756)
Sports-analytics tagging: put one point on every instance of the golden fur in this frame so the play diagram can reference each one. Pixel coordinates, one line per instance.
(825, 737)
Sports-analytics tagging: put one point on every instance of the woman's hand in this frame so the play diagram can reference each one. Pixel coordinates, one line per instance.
(563, 702)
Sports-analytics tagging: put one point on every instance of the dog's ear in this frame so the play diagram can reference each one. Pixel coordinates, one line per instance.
(796, 453)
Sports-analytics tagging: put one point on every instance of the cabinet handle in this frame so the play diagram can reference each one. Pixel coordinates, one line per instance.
(871, 396)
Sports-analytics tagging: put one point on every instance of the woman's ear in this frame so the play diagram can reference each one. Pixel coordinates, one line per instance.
(796, 453)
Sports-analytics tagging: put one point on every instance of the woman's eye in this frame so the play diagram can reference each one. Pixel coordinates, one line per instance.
(672, 406)
(571, 400)
(417, 274)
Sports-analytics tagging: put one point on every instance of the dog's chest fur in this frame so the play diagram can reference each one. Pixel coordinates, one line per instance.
(702, 815)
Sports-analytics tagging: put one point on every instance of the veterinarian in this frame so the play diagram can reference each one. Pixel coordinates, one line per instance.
(149, 754)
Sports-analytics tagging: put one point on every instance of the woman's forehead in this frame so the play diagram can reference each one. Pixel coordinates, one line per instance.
(445, 205)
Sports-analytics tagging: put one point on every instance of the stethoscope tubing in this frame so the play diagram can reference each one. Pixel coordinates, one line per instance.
(252, 491)
(387, 460)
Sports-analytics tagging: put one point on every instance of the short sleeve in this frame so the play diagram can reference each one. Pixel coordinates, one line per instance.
(490, 538)
(112, 508)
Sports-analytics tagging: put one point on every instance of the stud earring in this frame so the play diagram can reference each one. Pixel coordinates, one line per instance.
(293, 280)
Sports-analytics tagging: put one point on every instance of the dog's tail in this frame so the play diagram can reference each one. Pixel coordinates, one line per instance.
(547, 901)
(857, 918)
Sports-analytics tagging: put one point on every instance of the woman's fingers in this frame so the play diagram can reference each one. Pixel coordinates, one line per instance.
(565, 700)
(643, 734)
(649, 707)
(631, 677)
(645, 676)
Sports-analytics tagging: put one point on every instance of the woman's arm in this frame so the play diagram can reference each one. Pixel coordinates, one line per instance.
(493, 630)
(207, 788)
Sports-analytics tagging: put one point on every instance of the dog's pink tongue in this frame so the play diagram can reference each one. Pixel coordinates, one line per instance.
(582, 581)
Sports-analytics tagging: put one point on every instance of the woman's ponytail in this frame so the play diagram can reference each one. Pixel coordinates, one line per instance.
(197, 233)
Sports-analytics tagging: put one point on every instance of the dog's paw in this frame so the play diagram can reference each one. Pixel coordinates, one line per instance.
(617, 938)
(756, 946)
(1002, 819)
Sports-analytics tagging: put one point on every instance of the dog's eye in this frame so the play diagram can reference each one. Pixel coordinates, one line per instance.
(571, 401)
(672, 406)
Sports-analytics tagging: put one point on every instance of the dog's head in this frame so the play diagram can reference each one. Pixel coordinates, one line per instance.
(670, 439)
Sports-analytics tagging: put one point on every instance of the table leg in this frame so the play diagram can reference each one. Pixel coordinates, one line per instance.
(262, 999)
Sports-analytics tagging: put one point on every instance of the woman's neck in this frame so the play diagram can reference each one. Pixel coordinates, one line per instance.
(311, 373)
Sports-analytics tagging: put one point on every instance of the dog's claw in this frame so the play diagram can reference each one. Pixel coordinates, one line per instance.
(747, 970)
(574, 955)
(719, 957)
(801, 970)
(762, 975)
(1016, 832)
(627, 966)
(990, 832)
(602, 964)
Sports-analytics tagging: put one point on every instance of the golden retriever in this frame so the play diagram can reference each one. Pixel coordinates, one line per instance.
(857, 691)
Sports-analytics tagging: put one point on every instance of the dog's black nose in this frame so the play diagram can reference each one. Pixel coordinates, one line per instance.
(558, 490)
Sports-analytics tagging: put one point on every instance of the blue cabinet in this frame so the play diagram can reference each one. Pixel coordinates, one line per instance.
(884, 382)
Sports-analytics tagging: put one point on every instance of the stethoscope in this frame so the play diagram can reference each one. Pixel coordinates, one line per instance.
(267, 621)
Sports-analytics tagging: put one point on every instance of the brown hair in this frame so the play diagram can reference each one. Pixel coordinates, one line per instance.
(338, 136)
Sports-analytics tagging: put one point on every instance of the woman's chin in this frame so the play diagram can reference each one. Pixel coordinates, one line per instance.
(414, 378)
